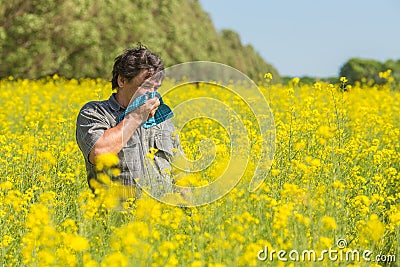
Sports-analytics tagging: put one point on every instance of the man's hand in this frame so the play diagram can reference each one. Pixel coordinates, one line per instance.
(146, 111)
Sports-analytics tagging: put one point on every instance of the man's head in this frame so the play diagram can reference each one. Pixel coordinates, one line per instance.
(137, 61)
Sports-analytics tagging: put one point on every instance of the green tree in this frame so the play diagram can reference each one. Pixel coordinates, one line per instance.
(393, 65)
(80, 38)
(356, 68)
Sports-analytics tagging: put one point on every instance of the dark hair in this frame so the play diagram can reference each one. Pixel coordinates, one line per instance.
(132, 61)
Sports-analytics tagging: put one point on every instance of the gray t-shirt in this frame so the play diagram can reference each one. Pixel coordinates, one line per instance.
(97, 116)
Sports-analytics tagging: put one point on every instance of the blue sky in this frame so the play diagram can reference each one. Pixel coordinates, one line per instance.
(314, 38)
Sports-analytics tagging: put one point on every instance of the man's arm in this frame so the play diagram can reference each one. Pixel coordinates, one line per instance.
(114, 139)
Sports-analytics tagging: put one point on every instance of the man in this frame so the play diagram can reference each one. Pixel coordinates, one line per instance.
(106, 127)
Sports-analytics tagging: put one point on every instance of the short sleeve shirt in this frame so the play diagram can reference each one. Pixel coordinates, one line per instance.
(96, 117)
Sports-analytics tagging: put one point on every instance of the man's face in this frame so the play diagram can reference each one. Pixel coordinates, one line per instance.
(151, 85)
(142, 81)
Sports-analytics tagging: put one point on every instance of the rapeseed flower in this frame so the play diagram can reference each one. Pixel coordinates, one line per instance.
(106, 161)
(335, 174)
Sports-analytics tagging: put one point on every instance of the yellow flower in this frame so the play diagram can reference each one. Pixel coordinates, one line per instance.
(296, 80)
(328, 223)
(115, 172)
(336, 153)
(338, 185)
(299, 145)
(325, 242)
(386, 74)
(268, 76)
(197, 263)
(115, 259)
(47, 197)
(317, 86)
(6, 240)
(106, 161)
(325, 131)
(362, 200)
(104, 178)
(69, 225)
(45, 257)
(395, 218)
(249, 257)
(373, 230)
(88, 261)
(275, 172)
(6, 185)
(76, 242)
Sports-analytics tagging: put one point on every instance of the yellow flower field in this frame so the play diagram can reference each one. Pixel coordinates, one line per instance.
(334, 184)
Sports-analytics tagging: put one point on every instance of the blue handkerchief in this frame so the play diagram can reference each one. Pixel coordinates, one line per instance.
(163, 112)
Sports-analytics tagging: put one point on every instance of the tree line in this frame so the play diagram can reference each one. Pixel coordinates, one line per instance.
(81, 38)
(360, 70)
(357, 69)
